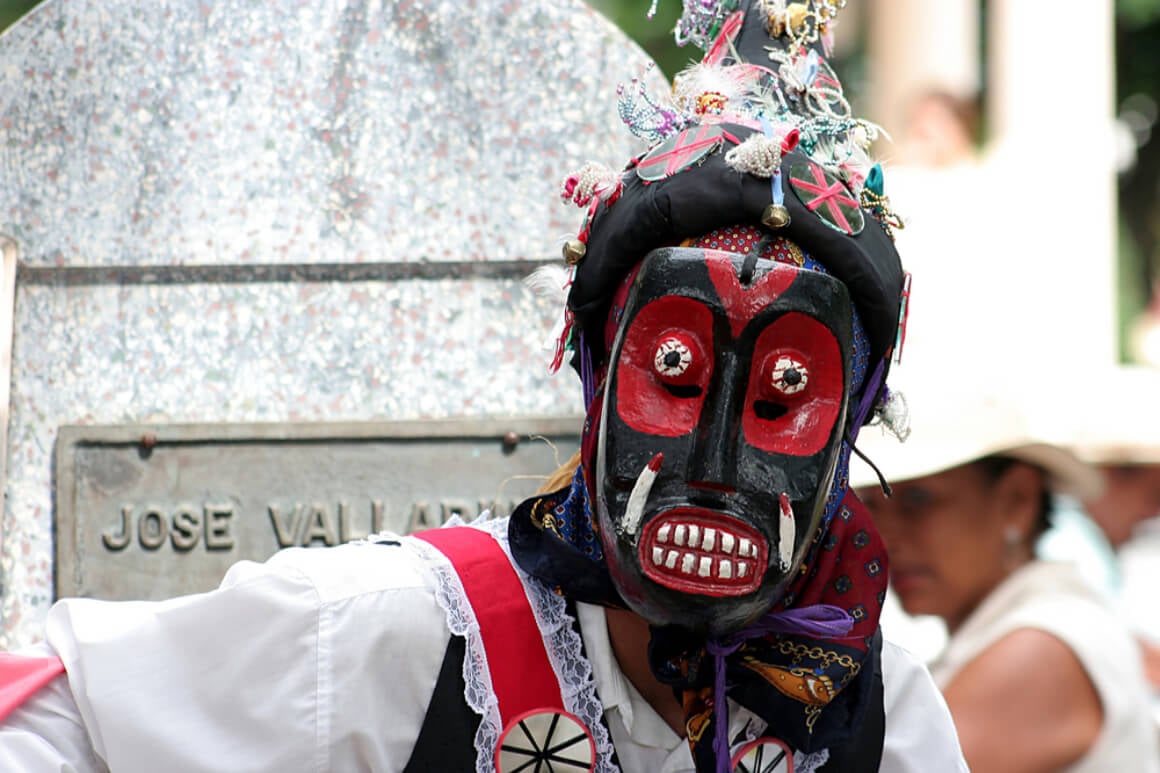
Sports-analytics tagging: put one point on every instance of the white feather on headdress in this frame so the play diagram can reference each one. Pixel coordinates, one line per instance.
(697, 79)
(551, 282)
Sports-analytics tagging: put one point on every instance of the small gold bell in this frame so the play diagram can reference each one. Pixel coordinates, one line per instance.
(574, 251)
(775, 216)
(796, 14)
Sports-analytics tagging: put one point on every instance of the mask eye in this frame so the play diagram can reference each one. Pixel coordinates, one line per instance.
(788, 376)
(673, 357)
(678, 363)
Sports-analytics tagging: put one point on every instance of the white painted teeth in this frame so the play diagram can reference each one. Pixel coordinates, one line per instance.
(705, 567)
(704, 551)
(691, 535)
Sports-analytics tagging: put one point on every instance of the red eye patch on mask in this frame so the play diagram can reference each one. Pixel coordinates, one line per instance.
(669, 357)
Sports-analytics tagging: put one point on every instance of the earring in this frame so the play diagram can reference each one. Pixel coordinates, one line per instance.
(1013, 551)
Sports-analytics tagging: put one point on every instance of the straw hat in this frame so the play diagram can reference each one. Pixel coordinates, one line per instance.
(1123, 426)
(951, 426)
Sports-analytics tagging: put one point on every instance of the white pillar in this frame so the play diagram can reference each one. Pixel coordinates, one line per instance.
(915, 45)
(1050, 108)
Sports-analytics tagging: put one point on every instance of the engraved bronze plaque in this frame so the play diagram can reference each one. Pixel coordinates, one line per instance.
(150, 512)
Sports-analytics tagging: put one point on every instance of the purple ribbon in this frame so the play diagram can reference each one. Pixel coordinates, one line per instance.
(587, 377)
(866, 404)
(817, 621)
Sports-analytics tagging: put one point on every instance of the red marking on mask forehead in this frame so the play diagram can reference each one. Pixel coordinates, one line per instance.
(742, 304)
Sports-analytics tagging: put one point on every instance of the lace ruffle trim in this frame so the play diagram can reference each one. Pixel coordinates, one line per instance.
(478, 693)
(809, 763)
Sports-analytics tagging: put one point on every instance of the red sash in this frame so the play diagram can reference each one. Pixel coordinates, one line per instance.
(521, 674)
(21, 676)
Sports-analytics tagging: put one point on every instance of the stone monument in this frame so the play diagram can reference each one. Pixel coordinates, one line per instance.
(263, 271)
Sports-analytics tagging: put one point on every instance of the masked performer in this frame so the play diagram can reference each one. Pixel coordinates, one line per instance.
(702, 592)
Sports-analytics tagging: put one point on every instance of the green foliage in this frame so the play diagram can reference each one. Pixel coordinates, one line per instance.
(654, 35)
(1138, 84)
(12, 10)
(1137, 13)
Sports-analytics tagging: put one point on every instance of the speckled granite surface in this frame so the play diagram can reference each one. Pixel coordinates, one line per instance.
(184, 133)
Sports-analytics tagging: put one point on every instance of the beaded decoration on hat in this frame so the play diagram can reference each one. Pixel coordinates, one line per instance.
(761, 120)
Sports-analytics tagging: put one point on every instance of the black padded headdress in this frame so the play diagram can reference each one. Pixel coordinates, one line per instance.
(758, 133)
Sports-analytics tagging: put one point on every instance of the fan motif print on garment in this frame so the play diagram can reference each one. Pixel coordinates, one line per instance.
(765, 755)
(546, 742)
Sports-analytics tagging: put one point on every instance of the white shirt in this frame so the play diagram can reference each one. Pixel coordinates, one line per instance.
(320, 660)
(920, 735)
(1053, 597)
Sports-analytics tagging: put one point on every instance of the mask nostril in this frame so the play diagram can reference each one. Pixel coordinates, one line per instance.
(685, 391)
(768, 410)
(706, 485)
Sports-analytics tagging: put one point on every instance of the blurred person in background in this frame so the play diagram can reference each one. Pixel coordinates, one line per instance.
(936, 148)
(1037, 673)
(1123, 440)
(1114, 539)
(941, 130)
(1139, 564)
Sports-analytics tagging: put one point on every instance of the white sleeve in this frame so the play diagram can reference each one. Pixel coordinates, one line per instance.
(47, 733)
(920, 734)
(318, 660)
